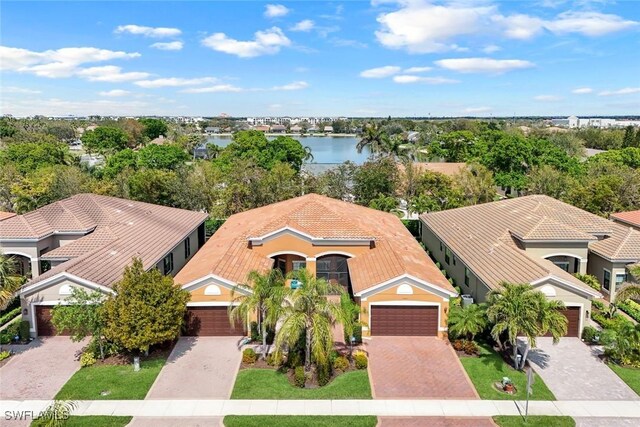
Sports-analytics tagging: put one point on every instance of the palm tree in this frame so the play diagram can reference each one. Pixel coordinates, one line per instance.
(307, 310)
(519, 310)
(626, 291)
(308, 155)
(264, 296)
(9, 282)
(468, 321)
(373, 136)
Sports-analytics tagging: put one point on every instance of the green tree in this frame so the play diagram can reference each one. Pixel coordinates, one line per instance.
(263, 295)
(81, 316)
(308, 311)
(105, 139)
(120, 161)
(475, 183)
(155, 156)
(384, 203)
(373, 178)
(153, 128)
(373, 136)
(437, 191)
(147, 308)
(337, 182)
(152, 186)
(135, 132)
(629, 139)
(550, 181)
(28, 157)
(254, 146)
(519, 310)
(468, 321)
(455, 145)
(9, 282)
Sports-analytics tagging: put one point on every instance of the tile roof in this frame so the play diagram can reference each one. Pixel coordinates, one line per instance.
(6, 215)
(445, 168)
(395, 252)
(487, 238)
(630, 217)
(123, 229)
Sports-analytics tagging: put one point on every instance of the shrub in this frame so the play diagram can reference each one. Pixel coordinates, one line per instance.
(597, 305)
(471, 348)
(255, 334)
(249, 356)
(341, 363)
(87, 359)
(4, 355)
(7, 317)
(590, 280)
(609, 322)
(360, 360)
(273, 361)
(458, 345)
(271, 335)
(299, 377)
(23, 330)
(5, 339)
(632, 308)
(589, 334)
(324, 374)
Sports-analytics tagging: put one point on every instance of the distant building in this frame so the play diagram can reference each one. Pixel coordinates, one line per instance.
(328, 129)
(312, 129)
(278, 128)
(210, 130)
(573, 122)
(413, 136)
(296, 129)
(263, 128)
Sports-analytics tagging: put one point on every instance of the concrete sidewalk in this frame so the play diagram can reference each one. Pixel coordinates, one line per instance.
(408, 408)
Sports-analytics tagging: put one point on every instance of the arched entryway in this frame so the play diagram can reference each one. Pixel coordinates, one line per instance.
(566, 262)
(334, 268)
(22, 264)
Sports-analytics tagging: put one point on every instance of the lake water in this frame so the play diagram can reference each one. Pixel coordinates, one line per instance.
(325, 149)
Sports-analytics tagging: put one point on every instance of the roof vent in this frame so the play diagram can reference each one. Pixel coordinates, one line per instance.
(114, 252)
(118, 211)
(130, 223)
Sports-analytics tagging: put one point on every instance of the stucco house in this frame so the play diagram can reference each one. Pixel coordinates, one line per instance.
(87, 240)
(533, 239)
(370, 253)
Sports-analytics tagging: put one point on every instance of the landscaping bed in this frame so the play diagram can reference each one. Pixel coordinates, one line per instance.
(533, 421)
(489, 368)
(91, 421)
(273, 384)
(296, 421)
(631, 376)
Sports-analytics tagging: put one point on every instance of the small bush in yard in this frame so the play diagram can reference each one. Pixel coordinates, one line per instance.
(23, 330)
(249, 356)
(4, 355)
(598, 305)
(324, 374)
(341, 363)
(87, 359)
(360, 360)
(589, 334)
(299, 376)
(273, 361)
(255, 334)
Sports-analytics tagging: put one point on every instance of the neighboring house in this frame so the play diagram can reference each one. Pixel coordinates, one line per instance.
(369, 252)
(532, 239)
(312, 129)
(6, 215)
(210, 130)
(413, 136)
(92, 160)
(87, 240)
(278, 129)
(629, 219)
(328, 129)
(296, 129)
(263, 128)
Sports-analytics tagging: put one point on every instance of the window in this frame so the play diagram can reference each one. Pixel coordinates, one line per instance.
(168, 263)
(333, 268)
(282, 266)
(299, 265)
(447, 255)
(467, 275)
(440, 246)
(620, 279)
(187, 248)
(606, 283)
(563, 265)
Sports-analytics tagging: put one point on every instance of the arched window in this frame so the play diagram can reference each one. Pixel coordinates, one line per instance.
(212, 290)
(548, 291)
(405, 290)
(65, 290)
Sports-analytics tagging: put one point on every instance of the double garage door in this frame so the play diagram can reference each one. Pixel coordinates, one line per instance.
(404, 320)
(210, 321)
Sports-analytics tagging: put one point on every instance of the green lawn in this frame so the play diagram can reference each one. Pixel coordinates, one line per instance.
(296, 421)
(271, 384)
(534, 421)
(631, 376)
(91, 421)
(489, 368)
(119, 380)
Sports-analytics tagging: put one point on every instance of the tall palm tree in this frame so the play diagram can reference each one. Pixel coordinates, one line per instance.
(519, 310)
(263, 295)
(9, 282)
(468, 321)
(307, 310)
(628, 291)
(373, 136)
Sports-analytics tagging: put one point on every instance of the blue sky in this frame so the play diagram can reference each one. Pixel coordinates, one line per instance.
(354, 58)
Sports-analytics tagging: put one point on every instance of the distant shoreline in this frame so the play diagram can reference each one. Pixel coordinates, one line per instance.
(305, 135)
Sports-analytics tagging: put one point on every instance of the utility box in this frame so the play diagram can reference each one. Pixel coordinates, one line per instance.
(466, 300)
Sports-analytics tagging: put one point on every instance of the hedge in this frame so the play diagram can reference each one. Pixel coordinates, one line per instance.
(608, 323)
(6, 318)
(632, 308)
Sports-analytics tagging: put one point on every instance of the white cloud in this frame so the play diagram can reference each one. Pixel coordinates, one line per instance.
(483, 65)
(156, 32)
(275, 10)
(624, 91)
(582, 90)
(591, 24)
(168, 46)
(114, 93)
(519, 26)
(492, 48)
(380, 72)
(417, 70)
(214, 89)
(476, 110)
(304, 25)
(547, 98)
(267, 42)
(15, 89)
(110, 73)
(174, 82)
(292, 86)
(405, 78)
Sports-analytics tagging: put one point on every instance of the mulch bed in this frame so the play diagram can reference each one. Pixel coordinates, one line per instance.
(160, 350)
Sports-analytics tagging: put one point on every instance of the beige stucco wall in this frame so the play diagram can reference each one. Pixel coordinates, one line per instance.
(569, 298)
(179, 260)
(596, 268)
(546, 250)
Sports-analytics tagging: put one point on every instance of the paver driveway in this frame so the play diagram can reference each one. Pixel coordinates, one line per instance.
(572, 371)
(199, 368)
(40, 369)
(416, 367)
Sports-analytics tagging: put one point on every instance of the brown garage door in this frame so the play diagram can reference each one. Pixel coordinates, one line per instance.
(43, 321)
(210, 321)
(573, 326)
(404, 320)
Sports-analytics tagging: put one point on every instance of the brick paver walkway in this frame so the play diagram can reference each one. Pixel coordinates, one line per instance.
(416, 367)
